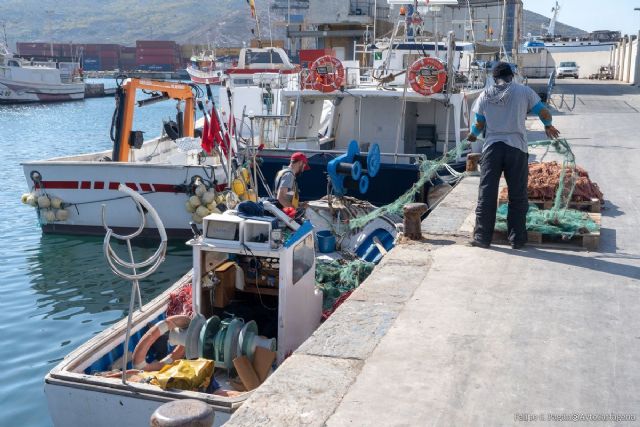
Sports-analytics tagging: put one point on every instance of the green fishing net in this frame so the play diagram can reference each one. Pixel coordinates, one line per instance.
(336, 277)
(559, 220)
(428, 170)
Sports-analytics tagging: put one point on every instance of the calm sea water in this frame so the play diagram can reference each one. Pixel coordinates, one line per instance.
(56, 291)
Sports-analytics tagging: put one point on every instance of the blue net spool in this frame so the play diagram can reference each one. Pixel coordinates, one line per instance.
(354, 170)
(363, 185)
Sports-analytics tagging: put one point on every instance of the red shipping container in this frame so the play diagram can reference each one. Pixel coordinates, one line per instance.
(310, 55)
(155, 51)
(161, 44)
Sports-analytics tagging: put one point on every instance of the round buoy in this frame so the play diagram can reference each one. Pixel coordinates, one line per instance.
(427, 76)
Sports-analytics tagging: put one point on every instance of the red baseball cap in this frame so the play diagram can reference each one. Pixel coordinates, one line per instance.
(298, 156)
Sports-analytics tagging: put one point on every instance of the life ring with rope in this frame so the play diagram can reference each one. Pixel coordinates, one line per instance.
(427, 76)
(156, 331)
(326, 74)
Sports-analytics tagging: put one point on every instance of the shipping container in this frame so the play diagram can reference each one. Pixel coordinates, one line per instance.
(157, 51)
(161, 44)
(91, 64)
(156, 67)
(156, 59)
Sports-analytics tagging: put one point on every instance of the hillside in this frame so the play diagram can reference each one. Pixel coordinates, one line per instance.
(533, 21)
(185, 21)
(122, 21)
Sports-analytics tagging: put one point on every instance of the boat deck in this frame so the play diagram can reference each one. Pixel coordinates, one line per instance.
(445, 334)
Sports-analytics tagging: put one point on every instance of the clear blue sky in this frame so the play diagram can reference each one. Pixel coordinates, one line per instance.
(592, 15)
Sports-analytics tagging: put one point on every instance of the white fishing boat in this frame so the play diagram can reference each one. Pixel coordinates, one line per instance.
(29, 81)
(205, 69)
(250, 301)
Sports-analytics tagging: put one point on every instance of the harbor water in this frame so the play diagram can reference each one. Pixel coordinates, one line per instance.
(57, 291)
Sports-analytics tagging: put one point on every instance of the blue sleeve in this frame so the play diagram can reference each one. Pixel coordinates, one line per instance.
(537, 109)
(479, 119)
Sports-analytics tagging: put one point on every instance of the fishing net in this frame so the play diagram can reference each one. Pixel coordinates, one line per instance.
(563, 222)
(337, 277)
(428, 171)
(559, 220)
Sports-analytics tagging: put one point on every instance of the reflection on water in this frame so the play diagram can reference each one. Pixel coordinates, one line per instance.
(71, 277)
(56, 291)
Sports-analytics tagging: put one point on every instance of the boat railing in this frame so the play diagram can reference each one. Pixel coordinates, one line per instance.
(472, 78)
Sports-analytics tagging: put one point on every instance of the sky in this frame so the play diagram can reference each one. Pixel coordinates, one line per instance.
(591, 15)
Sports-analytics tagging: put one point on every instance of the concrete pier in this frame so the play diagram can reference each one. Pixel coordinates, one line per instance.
(449, 335)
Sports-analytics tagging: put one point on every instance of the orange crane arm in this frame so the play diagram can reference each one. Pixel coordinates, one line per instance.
(178, 91)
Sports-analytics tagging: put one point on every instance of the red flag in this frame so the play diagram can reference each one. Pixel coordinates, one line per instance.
(207, 143)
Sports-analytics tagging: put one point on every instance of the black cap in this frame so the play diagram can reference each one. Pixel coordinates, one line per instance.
(502, 70)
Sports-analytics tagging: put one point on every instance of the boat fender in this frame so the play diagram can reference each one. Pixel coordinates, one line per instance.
(152, 335)
(171, 129)
(326, 74)
(427, 76)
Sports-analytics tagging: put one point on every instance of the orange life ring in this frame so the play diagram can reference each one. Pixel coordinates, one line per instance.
(427, 76)
(156, 331)
(326, 74)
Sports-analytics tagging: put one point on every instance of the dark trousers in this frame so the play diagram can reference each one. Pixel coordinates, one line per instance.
(496, 159)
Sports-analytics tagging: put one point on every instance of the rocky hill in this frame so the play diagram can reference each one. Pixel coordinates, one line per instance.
(186, 21)
(533, 23)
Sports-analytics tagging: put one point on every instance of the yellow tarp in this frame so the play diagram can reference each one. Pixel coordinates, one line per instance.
(183, 374)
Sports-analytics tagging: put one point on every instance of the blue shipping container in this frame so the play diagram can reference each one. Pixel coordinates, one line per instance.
(156, 67)
(91, 64)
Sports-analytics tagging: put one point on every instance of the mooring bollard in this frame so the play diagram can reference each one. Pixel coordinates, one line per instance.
(183, 413)
(472, 162)
(412, 220)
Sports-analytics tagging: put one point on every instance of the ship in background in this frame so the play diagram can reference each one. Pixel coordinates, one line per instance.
(597, 41)
(204, 68)
(31, 81)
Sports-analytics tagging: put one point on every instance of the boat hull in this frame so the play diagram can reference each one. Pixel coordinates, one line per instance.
(87, 186)
(18, 92)
(202, 77)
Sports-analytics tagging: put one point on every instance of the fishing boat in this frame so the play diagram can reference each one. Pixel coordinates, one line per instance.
(204, 68)
(31, 81)
(249, 301)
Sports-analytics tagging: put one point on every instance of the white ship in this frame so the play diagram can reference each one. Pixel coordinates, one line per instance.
(28, 81)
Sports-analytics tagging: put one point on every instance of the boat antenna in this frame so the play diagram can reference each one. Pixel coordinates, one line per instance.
(116, 263)
(254, 15)
(503, 50)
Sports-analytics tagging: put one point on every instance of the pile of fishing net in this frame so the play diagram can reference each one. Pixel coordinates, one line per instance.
(336, 278)
(556, 222)
(544, 179)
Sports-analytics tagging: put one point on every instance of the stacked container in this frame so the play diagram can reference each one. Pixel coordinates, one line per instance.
(157, 55)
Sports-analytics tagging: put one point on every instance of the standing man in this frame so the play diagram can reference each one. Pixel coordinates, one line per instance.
(286, 185)
(501, 111)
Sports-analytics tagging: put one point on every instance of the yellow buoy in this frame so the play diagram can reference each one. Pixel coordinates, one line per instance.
(202, 211)
(44, 202)
(244, 172)
(56, 203)
(49, 215)
(238, 186)
(25, 198)
(251, 195)
(189, 207)
(195, 201)
(196, 218)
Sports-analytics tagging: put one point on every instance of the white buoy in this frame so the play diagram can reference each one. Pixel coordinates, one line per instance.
(200, 190)
(195, 201)
(189, 207)
(32, 200)
(25, 198)
(56, 203)
(208, 197)
(196, 218)
(202, 211)
(62, 214)
(49, 215)
(44, 202)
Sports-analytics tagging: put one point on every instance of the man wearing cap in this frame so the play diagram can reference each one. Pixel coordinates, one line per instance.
(501, 111)
(286, 185)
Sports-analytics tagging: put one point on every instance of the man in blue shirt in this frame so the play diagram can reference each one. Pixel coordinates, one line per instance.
(501, 112)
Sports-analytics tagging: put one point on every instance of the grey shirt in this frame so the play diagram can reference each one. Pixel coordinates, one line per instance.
(505, 107)
(287, 179)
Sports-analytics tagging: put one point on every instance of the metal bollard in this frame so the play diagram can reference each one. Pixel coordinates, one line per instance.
(183, 413)
(472, 162)
(412, 220)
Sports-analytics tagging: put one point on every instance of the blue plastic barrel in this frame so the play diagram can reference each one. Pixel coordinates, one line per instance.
(326, 241)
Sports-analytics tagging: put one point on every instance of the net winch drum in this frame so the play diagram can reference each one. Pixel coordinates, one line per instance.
(347, 173)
